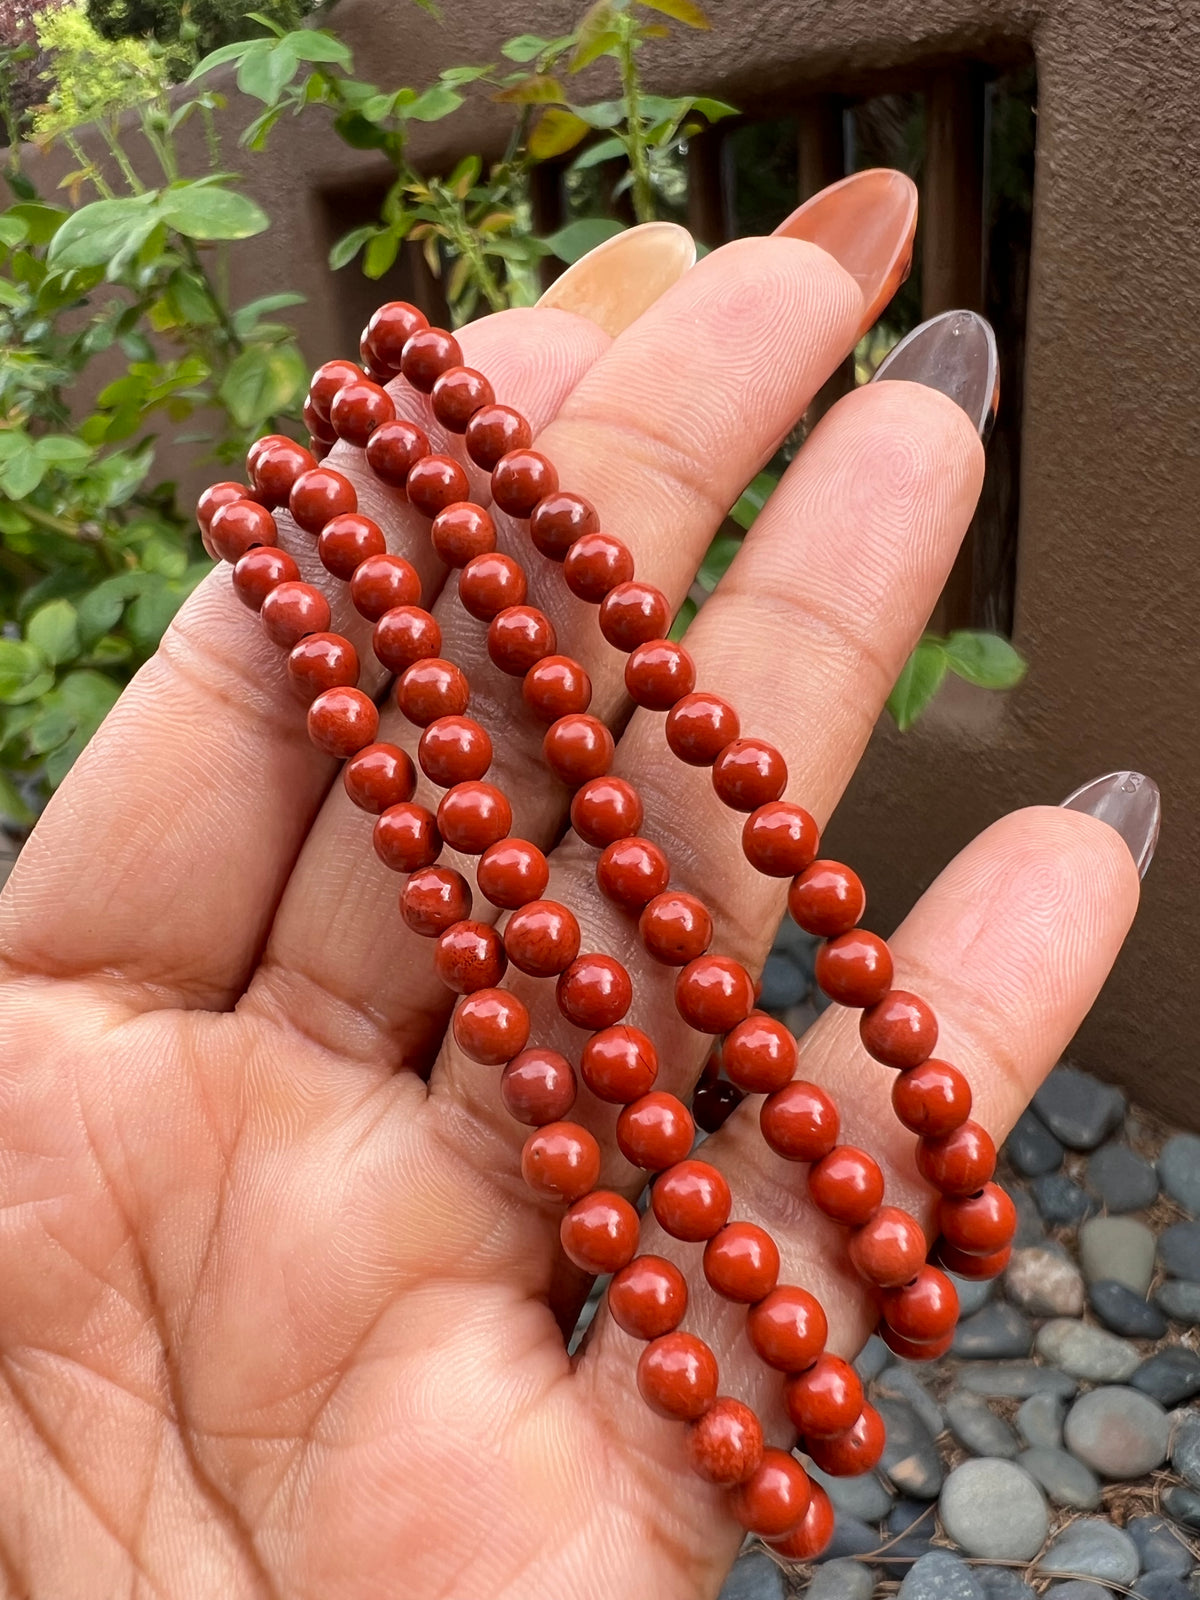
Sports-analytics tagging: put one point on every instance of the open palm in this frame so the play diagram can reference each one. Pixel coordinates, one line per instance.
(279, 1317)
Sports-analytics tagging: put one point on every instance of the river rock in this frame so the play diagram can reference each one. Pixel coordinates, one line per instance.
(872, 1358)
(1032, 1148)
(1185, 1448)
(865, 1496)
(1118, 1432)
(1125, 1312)
(1067, 1481)
(1179, 1250)
(1077, 1589)
(1179, 1299)
(977, 1427)
(941, 1575)
(1014, 1380)
(1060, 1201)
(973, 1293)
(1182, 1505)
(992, 1508)
(1004, 1583)
(1179, 1170)
(1120, 1248)
(850, 1538)
(1163, 1586)
(1040, 1421)
(910, 1461)
(754, 1576)
(997, 1332)
(1044, 1280)
(841, 1580)
(783, 983)
(1159, 1548)
(1079, 1111)
(900, 1382)
(1170, 1376)
(1086, 1352)
(1124, 1180)
(1091, 1547)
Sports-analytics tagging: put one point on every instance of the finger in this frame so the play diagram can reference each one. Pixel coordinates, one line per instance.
(620, 279)
(1011, 946)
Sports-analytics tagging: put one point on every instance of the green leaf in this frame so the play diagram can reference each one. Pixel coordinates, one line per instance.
(100, 609)
(538, 89)
(312, 44)
(90, 696)
(556, 132)
(360, 134)
(984, 659)
(13, 230)
(62, 450)
(455, 77)
(603, 43)
(380, 253)
(244, 320)
(41, 220)
(717, 559)
(227, 52)
(685, 11)
(254, 135)
(206, 211)
(603, 114)
(49, 729)
(23, 673)
(753, 498)
(11, 295)
(348, 246)
(264, 72)
(104, 232)
(262, 380)
(603, 150)
(20, 475)
(713, 110)
(683, 619)
(437, 102)
(12, 806)
(577, 238)
(54, 630)
(524, 47)
(918, 683)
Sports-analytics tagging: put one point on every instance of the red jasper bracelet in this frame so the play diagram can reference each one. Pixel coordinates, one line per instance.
(677, 1373)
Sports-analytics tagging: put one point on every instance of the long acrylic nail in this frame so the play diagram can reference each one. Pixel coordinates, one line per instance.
(1128, 802)
(866, 223)
(956, 353)
(614, 283)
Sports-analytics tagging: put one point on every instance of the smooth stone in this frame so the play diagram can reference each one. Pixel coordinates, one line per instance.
(941, 1575)
(977, 1427)
(1086, 1352)
(1162, 1586)
(842, 1580)
(1077, 1589)
(1044, 1280)
(915, 1515)
(1031, 1148)
(1182, 1505)
(1014, 1380)
(783, 983)
(1060, 1201)
(1185, 1448)
(1124, 1180)
(1179, 1170)
(1079, 1110)
(872, 1358)
(1159, 1549)
(1179, 1250)
(1004, 1583)
(993, 1509)
(1120, 1248)
(1040, 1421)
(993, 1334)
(1091, 1547)
(973, 1293)
(1179, 1299)
(900, 1382)
(850, 1538)
(1170, 1376)
(1030, 1227)
(1125, 1312)
(910, 1460)
(1067, 1481)
(1119, 1432)
(865, 1497)
(754, 1576)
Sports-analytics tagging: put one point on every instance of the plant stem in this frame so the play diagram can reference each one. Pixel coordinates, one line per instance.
(485, 279)
(114, 149)
(88, 167)
(232, 338)
(635, 139)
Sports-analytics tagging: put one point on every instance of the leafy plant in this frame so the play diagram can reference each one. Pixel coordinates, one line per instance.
(193, 26)
(984, 659)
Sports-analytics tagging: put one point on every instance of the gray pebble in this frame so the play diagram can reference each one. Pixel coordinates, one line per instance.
(1067, 1481)
(1159, 1549)
(1170, 1376)
(941, 1575)
(911, 1526)
(802, 947)
(1077, 1589)
(1118, 1432)
(1060, 1200)
(842, 1580)
(864, 1497)
(783, 983)
(1125, 1312)
(1086, 1352)
(1004, 1583)
(872, 1358)
(900, 1382)
(754, 1576)
(1185, 1448)
(993, 1509)
(973, 1293)
(996, 1333)
(1179, 1299)
(1030, 1228)
(1080, 1111)
(1179, 1250)
(1182, 1505)
(1031, 1148)
(1044, 1280)
(1163, 1586)
(910, 1460)
(1179, 1170)
(1015, 1379)
(1092, 1547)
(1120, 1248)
(977, 1427)
(1124, 1180)
(850, 1538)
(1040, 1421)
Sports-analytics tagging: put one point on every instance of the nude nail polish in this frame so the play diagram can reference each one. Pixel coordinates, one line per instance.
(866, 223)
(956, 353)
(1130, 803)
(614, 283)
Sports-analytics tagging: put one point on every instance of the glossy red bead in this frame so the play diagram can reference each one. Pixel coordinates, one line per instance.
(406, 837)
(469, 956)
(780, 839)
(538, 1086)
(965, 1265)
(461, 532)
(699, 727)
(345, 543)
(380, 776)
(924, 1309)
(427, 353)
(847, 1185)
(433, 899)
(855, 969)
(659, 674)
(725, 1445)
(561, 1161)
(215, 496)
(457, 394)
(932, 1099)
(677, 1376)
(979, 1224)
(691, 1200)
(512, 872)
(493, 431)
(619, 1064)
(606, 809)
(788, 1328)
(239, 526)
(389, 330)
(277, 468)
(472, 816)
(454, 750)
(405, 635)
(957, 1163)
(435, 483)
(741, 1262)
(773, 1499)
(380, 583)
(631, 872)
(558, 520)
(675, 927)
(321, 429)
(889, 1249)
(259, 572)
(394, 449)
(634, 613)
(594, 992)
(800, 1122)
(520, 479)
(759, 1054)
(648, 1297)
(914, 1349)
(815, 1532)
(491, 1026)
(342, 721)
(600, 1232)
(321, 661)
(319, 495)
(825, 1399)
(327, 380)
(900, 1030)
(749, 773)
(433, 688)
(542, 938)
(857, 1450)
(656, 1131)
(489, 584)
(714, 993)
(827, 899)
(556, 686)
(519, 637)
(714, 1100)
(358, 409)
(578, 748)
(595, 565)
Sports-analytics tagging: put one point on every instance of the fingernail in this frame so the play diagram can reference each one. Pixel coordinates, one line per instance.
(614, 283)
(956, 353)
(866, 222)
(1128, 802)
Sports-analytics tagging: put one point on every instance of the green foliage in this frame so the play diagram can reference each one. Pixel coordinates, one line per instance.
(983, 659)
(190, 28)
(91, 76)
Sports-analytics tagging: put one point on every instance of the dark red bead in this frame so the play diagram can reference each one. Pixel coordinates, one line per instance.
(472, 816)
(406, 837)
(458, 394)
(600, 1232)
(433, 899)
(435, 483)
(857, 1450)
(659, 674)
(346, 542)
(788, 1328)
(520, 479)
(493, 431)
(378, 777)
(321, 661)
(578, 748)
(489, 584)
(394, 449)
(259, 572)
(469, 956)
(714, 993)
(427, 353)
(634, 613)
(389, 330)
(358, 409)
(648, 1297)
(558, 520)
(594, 992)
(518, 638)
(976, 1268)
(847, 1185)
(512, 872)
(812, 1538)
(699, 727)
(604, 810)
(461, 532)
(619, 1064)
(277, 468)
(889, 1249)
(491, 1026)
(215, 496)
(958, 1163)
(656, 1131)
(773, 1499)
(319, 495)
(759, 1054)
(825, 1399)
(342, 721)
(799, 1122)
(932, 1099)
(381, 583)
(454, 750)
(979, 1224)
(321, 429)
(924, 1309)
(561, 1161)
(741, 1262)
(677, 1376)
(780, 839)
(430, 689)
(691, 1200)
(405, 635)
(725, 1445)
(556, 686)
(327, 380)
(900, 1030)
(542, 938)
(855, 969)
(827, 899)
(714, 1100)
(538, 1086)
(596, 564)
(240, 526)
(913, 1349)
(631, 872)
(675, 927)
(749, 773)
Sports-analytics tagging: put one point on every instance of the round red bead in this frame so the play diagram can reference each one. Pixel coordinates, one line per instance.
(855, 969)
(556, 686)
(260, 571)
(900, 1030)
(857, 1450)
(518, 638)
(491, 1026)
(619, 1064)
(773, 1499)
(319, 495)
(632, 614)
(461, 532)
(847, 1185)
(780, 839)
(239, 526)
(604, 810)
(714, 994)
(542, 938)
(691, 1200)
(458, 394)
(594, 992)
(788, 1328)
(430, 689)
(741, 1262)
(714, 1100)
(825, 1399)
(827, 899)
(427, 353)
(394, 449)
(378, 777)
(472, 816)
(381, 583)
(454, 750)
(958, 1163)
(493, 431)
(405, 635)
(648, 1297)
(600, 1232)
(677, 1376)
(578, 748)
(656, 1131)
(346, 542)
(725, 1445)
(965, 1265)
(489, 584)
(914, 1349)
(322, 661)
(595, 565)
(558, 520)
(406, 837)
(433, 899)
(659, 674)
(561, 1161)
(342, 722)
(434, 483)
(327, 380)
(358, 409)
(888, 1249)
(675, 927)
(815, 1532)
(699, 727)
(520, 479)
(469, 956)
(321, 430)
(932, 1099)
(632, 872)
(512, 872)
(748, 774)
(924, 1309)
(759, 1054)
(799, 1122)
(389, 330)
(215, 496)
(980, 1224)
(276, 468)
(538, 1086)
